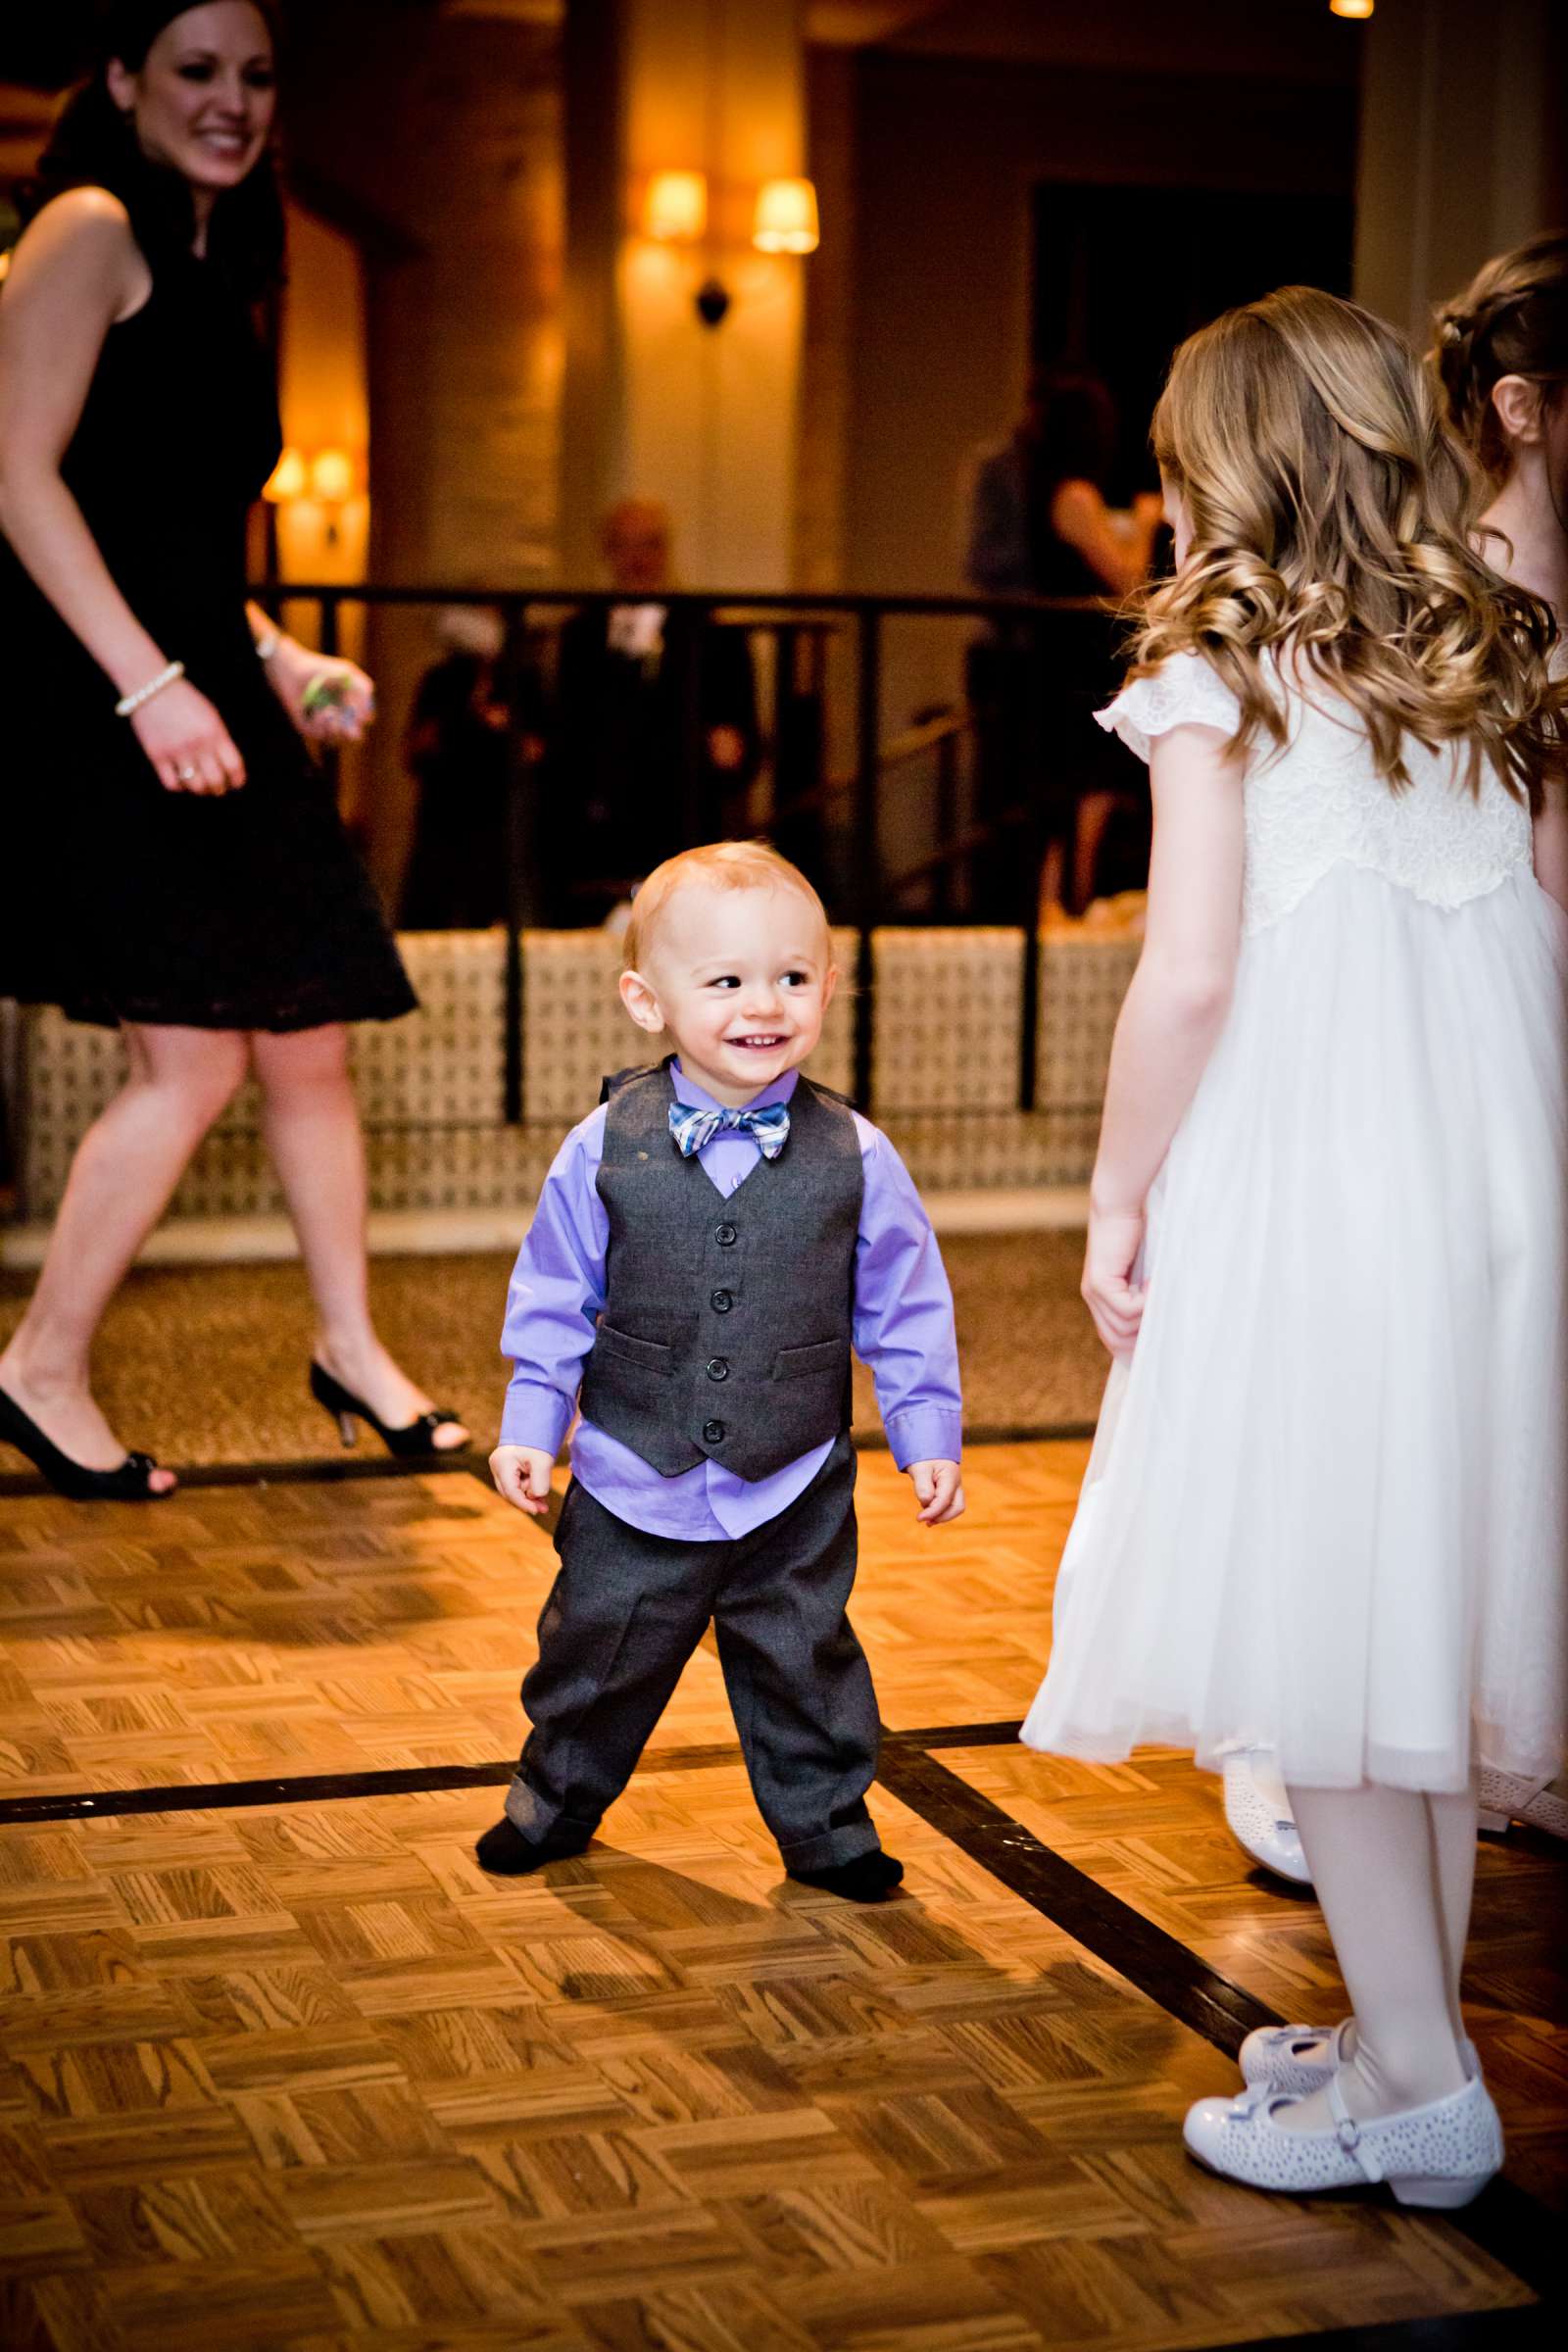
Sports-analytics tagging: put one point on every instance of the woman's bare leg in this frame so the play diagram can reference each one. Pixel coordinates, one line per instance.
(311, 1121)
(127, 1166)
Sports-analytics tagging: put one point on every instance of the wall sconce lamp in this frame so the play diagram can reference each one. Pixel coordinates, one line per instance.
(1352, 8)
(675, 211)
(326, 477)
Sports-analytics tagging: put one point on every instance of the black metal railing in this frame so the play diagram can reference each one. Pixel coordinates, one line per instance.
(1020, 724)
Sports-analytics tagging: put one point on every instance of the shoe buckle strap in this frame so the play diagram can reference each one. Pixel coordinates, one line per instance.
(1346, 2130)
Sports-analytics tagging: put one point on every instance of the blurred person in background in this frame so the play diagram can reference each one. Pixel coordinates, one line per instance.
(1040, 524)
(619, 801)
(176, 867)
(457, 749)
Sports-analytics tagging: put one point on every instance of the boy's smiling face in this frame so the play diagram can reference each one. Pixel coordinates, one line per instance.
(740, 979)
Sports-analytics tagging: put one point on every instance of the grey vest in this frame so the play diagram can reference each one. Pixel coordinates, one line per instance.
(725, 1331)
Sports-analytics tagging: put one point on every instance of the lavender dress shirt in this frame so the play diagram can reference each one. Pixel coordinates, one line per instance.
(903, 1328)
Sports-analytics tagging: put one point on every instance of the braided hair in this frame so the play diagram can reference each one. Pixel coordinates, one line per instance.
(1512, 320)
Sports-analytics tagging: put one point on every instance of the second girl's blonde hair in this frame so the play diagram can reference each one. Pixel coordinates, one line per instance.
(1331, 509)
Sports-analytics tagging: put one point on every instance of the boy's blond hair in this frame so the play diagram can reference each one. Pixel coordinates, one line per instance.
(715, 866)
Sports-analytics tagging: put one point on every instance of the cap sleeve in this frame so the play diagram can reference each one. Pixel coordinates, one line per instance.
(1183, 692)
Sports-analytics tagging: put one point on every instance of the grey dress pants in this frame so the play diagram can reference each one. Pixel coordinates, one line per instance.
(626, 1613)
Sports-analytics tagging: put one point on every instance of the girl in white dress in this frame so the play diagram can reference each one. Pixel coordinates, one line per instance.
(1326, 1507)
(1500, 363)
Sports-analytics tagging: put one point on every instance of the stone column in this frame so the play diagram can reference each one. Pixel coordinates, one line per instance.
(657, 403)
(1461, 131)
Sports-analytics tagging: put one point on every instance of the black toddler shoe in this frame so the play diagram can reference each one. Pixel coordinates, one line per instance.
(505, 1852)
(869, 1879)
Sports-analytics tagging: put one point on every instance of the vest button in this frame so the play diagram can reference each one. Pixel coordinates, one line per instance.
(722, 1303)
(724, 1236)
(718, 1367)
(712, 1433)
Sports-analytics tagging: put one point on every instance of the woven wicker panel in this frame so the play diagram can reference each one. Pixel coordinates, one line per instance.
(946, 1072)
(947, 1020)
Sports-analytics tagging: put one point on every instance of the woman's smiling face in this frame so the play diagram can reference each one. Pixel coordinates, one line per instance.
(205, 95)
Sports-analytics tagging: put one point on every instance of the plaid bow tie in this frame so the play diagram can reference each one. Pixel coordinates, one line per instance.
(693, 1128)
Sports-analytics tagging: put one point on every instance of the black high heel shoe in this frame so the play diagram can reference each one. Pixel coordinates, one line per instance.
(131, 1482)
(414, 1439)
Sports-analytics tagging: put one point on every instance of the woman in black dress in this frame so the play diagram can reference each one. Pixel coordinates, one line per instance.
(174, 864)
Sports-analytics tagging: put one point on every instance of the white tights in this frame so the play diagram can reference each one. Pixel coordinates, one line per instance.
(1394, 1868)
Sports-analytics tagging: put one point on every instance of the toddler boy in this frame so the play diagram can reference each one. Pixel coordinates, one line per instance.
(707, 1245)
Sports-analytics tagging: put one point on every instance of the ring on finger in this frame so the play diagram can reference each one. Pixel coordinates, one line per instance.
(187, 775)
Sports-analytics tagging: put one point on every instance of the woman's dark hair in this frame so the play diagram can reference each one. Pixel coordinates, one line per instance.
(1512, 320)
(94, 145)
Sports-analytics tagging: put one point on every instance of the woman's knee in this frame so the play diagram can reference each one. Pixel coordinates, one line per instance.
(198, 1071)
(301, 1060)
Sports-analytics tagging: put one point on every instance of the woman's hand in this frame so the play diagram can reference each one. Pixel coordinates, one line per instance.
(1113, 1298)
(343, 703)
(187, 742)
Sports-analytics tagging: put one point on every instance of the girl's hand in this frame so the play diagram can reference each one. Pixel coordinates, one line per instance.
(1113, 1298)
(938, 1490)
(523, 1477)
(349, 703)
(187, 742)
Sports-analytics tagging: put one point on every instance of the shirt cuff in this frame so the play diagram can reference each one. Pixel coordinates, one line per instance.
(925, 1432)
(536, 1414)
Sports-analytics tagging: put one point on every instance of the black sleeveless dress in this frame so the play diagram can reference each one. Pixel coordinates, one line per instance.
(118, 901)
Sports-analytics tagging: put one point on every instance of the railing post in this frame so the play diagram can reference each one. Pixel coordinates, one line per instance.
(694, 780)
(1032, 865)
(867, 854)
(518, 851)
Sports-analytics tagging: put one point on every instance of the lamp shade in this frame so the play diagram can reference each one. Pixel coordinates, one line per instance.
(1352, 8)
(675, 207)
(290, 478)
(332, 476)
(786, 216)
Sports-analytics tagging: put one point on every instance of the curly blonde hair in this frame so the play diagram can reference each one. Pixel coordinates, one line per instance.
(1331, 509)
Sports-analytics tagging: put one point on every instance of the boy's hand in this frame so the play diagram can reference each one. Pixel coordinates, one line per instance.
(938, 1490)
(523, 1477)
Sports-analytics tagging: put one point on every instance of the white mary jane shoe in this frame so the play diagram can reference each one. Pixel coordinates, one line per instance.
(1506, 1796)
(1256, 1823)
(1277, 2056)
(1280, 2057)
(1441, 2154)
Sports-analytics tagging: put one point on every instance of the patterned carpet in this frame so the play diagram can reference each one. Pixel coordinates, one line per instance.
(208, 1364)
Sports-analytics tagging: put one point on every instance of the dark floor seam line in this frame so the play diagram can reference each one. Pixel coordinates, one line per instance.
(410, 1779)
(326, 1470)
(1505, 2223)
(1520, 2328)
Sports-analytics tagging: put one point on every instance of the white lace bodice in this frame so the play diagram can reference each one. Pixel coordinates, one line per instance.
(1320, 802)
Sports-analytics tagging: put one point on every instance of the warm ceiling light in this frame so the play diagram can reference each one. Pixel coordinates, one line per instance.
(675, 207)
(1352, 8)
(332, 476)
(786, 216)
(290, 478)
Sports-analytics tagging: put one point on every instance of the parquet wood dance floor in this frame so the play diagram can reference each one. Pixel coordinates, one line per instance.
(280, 2066)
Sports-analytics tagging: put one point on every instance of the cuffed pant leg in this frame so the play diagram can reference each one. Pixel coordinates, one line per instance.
(623, 1616)
(798, 1681)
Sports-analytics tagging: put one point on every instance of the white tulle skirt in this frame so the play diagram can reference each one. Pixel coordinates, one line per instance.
(1327, 1508)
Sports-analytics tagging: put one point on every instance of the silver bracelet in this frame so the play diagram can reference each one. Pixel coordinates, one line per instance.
(129, 702)
(268, 644)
